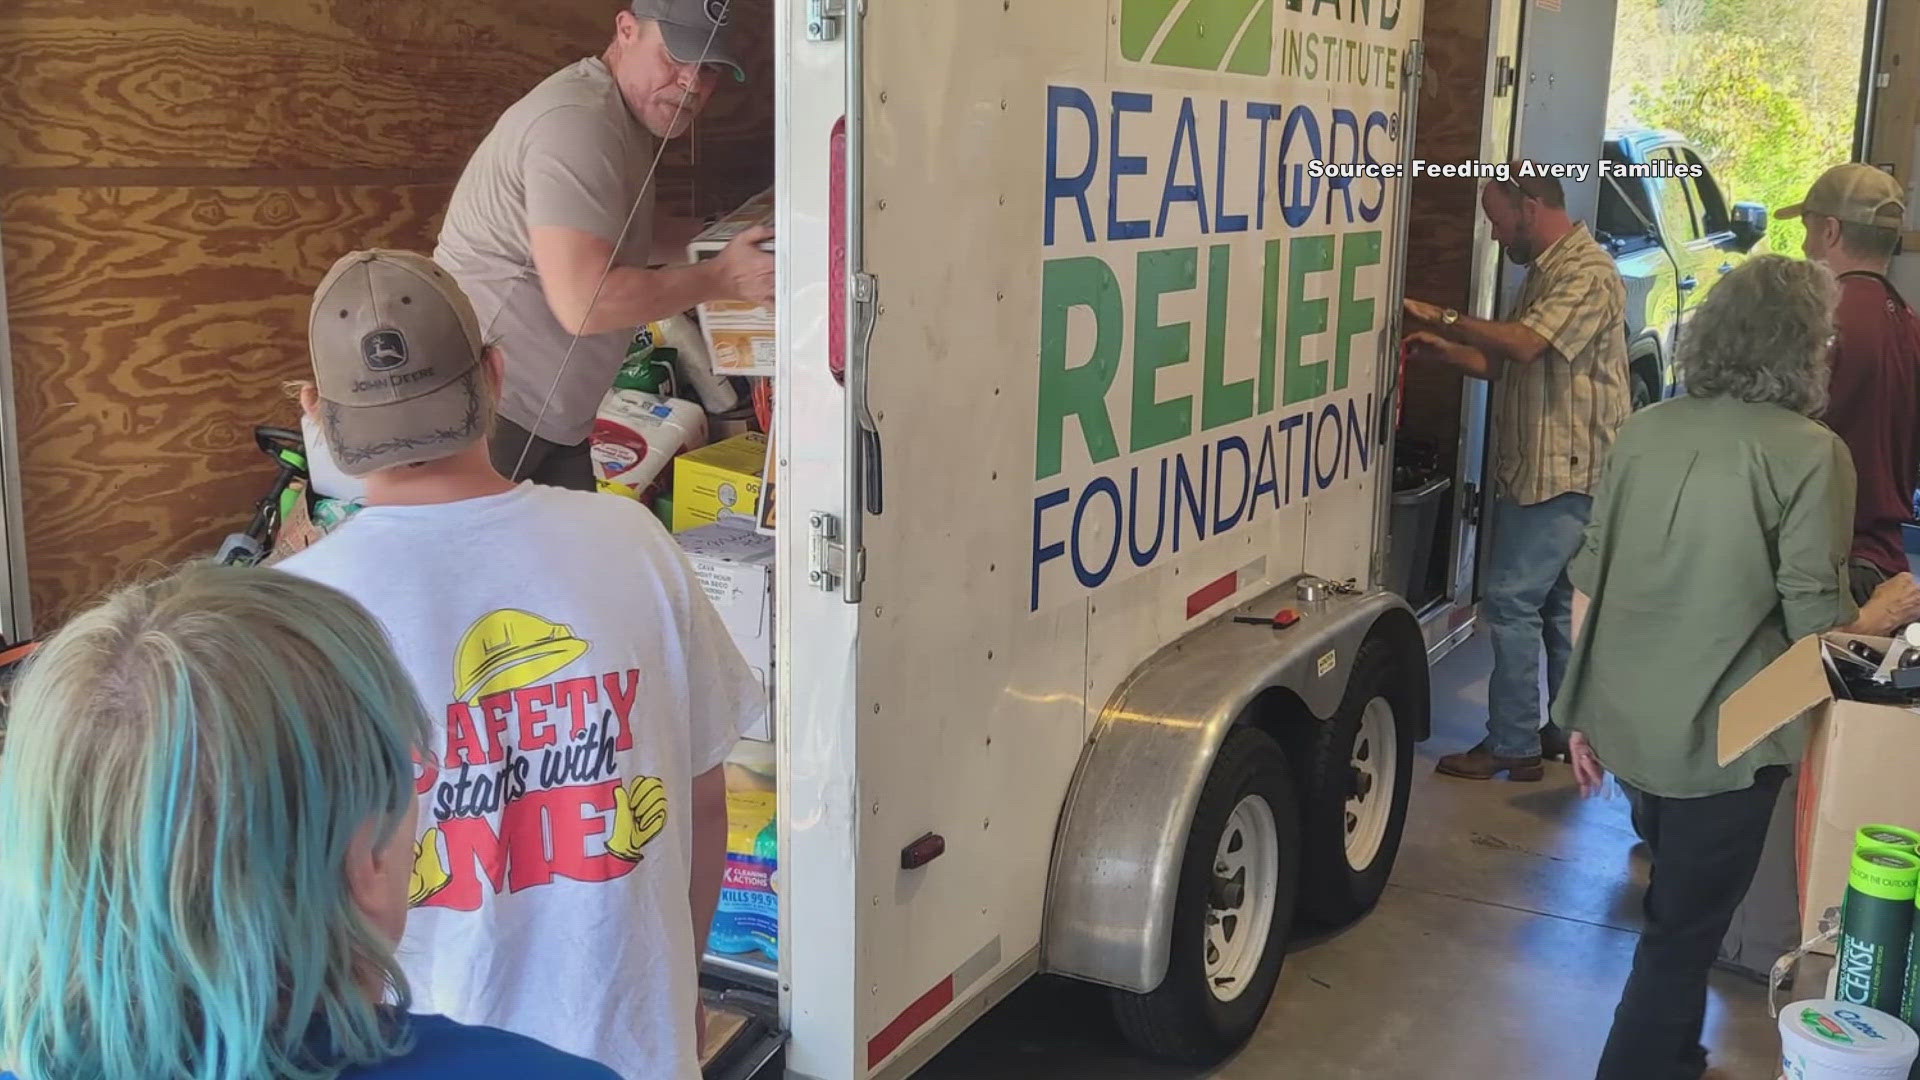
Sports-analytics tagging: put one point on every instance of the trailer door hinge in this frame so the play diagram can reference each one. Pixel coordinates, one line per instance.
(823, 19)
(1470, 504)
(1504, 76)
(827, 554)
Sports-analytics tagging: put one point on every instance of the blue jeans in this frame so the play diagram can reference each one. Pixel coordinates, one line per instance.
(1529, 603)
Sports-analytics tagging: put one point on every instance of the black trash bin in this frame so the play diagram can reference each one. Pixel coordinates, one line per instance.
(1416, 516)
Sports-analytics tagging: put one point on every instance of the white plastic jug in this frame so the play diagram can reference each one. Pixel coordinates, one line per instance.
(637, 434)
(1831, 1040)
(695, 368)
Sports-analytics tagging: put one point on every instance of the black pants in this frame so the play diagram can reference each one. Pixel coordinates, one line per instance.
(1705, 852)
(550, 463)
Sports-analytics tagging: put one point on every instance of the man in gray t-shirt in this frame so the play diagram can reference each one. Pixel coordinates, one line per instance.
(549, 193)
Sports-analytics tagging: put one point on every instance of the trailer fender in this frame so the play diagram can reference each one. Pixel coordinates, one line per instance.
(1118, 847)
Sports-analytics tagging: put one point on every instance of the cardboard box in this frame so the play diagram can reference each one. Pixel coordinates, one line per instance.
(740, 337)
(1859, 767)
(719, 483)
(735, 568)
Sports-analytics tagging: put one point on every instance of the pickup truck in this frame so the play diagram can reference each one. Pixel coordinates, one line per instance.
(1673, 237)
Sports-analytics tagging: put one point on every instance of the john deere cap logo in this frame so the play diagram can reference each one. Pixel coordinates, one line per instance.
(717, 11)
(384, 350)
(1234, 36)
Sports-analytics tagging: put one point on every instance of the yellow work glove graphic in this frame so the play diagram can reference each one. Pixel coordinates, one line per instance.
(429, 874)
(639, 813)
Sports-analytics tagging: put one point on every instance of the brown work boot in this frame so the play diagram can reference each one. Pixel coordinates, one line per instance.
(1480, 763)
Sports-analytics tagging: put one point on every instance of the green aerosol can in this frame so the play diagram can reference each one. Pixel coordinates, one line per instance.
(1876, 927)
(1910, 998)
(1892, 836)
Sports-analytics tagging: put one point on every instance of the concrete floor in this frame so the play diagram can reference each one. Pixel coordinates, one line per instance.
(1497, 953)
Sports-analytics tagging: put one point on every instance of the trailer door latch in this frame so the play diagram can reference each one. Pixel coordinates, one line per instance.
(823, 19)
(827, 553)
(1505, 76)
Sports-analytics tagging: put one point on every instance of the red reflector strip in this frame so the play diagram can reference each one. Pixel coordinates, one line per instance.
(1212, 594)
(890, 1039)
(837, 254)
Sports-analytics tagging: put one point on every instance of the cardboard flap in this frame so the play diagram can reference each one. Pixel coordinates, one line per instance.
(1784, 689)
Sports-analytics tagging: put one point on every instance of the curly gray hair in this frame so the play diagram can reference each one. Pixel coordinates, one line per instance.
(1762, 335)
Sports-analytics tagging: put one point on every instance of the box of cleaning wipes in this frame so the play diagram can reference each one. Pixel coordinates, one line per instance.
(720, 482)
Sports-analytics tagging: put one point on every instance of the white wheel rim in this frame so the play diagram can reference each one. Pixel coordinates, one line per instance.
(1246, 868)
(1375, 765)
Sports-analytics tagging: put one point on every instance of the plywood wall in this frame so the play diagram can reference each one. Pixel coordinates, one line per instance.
(1442, 210)
(175, 177)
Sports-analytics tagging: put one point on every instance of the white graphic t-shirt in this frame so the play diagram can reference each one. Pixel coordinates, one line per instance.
(580, 679)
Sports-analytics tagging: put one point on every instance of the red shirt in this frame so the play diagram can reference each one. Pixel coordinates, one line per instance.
(1875, 407)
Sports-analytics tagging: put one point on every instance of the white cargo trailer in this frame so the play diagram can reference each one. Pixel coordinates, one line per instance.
(1082, 360)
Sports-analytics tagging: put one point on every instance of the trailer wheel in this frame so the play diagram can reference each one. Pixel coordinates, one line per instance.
(1358, 788)
(1238, 880)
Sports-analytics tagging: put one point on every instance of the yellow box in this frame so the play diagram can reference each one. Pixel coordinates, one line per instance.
(739, 337)
(720, 482)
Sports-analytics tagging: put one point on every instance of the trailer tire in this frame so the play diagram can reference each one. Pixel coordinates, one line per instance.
(1215, 992)
(1364, 752)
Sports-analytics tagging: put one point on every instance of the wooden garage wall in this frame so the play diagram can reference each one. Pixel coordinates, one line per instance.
(176, 176)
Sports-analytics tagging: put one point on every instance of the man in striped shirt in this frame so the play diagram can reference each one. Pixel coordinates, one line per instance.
(1559, 369)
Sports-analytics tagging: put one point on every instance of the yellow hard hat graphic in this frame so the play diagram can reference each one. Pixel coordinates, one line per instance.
(510, 649)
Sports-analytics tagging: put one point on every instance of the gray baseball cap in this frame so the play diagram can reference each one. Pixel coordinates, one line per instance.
(694, 30)
(397, 359)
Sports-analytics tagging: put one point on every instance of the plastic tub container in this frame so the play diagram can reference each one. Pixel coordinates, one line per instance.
(1831, 1040)
(1416, 517)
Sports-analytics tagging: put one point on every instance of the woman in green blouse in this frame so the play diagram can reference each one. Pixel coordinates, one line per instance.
(1719, 536)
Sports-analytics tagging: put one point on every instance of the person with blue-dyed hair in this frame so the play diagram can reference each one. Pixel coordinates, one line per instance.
(208, 789)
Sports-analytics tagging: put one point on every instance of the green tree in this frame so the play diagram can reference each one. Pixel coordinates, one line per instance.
(1758, 137)
(1766, 88)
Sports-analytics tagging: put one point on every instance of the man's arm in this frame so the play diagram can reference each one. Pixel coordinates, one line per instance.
(570, 263)
(1466, 359)
(709, 852)
(671, 235)
(1511, 342)
(578, 200)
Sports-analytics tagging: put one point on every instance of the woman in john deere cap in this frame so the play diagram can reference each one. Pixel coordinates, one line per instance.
(208, 785)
